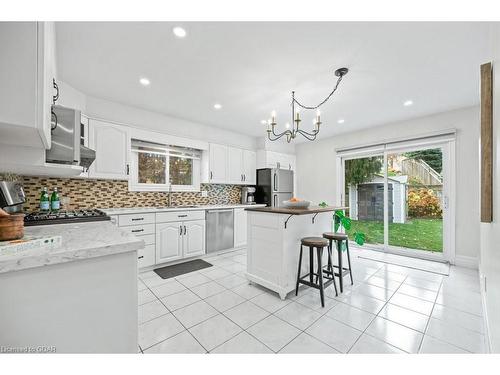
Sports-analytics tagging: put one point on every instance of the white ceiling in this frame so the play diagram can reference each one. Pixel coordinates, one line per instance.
(251, 68)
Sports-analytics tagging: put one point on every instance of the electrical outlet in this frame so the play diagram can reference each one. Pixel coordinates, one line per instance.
(204, 193)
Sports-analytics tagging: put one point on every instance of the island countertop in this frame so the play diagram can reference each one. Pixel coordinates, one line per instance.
(79, 241)
(296, 211)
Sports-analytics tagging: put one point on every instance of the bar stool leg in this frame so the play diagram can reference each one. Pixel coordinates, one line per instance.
(341, 269)
(349, 260)
(320, 267)
(311, 264)
(330, 268)
(298, 272)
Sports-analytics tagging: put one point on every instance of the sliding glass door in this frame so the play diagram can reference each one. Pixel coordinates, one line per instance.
(398, 196)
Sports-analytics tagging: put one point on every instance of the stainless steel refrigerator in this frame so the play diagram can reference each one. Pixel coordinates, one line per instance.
(274, 186)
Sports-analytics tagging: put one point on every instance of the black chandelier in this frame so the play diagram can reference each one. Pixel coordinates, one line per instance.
(292, 133)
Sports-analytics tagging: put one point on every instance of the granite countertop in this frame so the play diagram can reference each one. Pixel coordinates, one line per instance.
(134, 210)
(79, 241)
(296, 211)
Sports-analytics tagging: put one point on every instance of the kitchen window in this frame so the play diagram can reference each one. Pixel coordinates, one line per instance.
(157, 167)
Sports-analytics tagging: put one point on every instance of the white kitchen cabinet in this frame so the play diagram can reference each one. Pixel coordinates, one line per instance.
(240, 227)
(111, 143)
(271, 159)
(181, 239)
(27, 68)
(249, 167)
(231, 165)
(169, 241)
(235, 165)
(218, 164)
(193, 238)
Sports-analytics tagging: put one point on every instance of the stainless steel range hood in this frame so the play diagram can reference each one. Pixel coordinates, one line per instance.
(67, 145)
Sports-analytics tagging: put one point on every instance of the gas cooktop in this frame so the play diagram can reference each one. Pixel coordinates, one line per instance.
(64, 217)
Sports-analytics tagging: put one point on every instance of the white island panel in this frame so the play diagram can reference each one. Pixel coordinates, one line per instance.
(273, 250)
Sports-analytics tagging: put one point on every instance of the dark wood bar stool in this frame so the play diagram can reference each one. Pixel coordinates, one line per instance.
(318, 243)
(342, 271)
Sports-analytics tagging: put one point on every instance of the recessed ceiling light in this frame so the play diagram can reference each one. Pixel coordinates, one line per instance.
(408, 103)
(179, 32)
(340, 121)
(217, 106)
(144, 81)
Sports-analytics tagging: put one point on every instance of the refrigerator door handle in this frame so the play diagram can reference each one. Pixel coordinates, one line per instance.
(274, 200)
(275, 182)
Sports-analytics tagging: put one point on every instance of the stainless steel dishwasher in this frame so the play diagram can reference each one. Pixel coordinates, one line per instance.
(220, 230)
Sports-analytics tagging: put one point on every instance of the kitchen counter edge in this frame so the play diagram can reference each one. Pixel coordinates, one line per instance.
(80, 241)
(138, 210)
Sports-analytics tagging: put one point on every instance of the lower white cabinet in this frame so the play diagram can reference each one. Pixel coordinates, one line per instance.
(169, 241)
(193, 238)
(240, 227)
(146, 256)
(177, 240)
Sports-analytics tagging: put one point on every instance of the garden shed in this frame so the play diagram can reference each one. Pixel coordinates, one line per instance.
(366, 200)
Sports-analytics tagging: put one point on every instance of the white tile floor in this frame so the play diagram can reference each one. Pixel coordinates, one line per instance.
(389, 309)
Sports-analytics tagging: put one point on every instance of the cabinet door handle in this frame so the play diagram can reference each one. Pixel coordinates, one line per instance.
(181, 215)
(142, 256)
(289, 166)
(244, 177)
(185, 230)
(211, 175)
(137, 230)
(128, 169)
(180, 230)
(137, 218)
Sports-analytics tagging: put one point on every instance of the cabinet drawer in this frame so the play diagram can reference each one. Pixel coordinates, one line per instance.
(136, 219)
(140, 230)
(165, 217)
(146, 256)
(149, 239)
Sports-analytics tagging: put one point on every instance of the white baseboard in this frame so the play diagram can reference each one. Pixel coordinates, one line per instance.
(486, 321)
(467, 262)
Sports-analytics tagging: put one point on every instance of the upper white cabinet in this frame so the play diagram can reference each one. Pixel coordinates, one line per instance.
(271, 159)
(27, 68)
(249, 167)
(231, 165)
(111, 143)
(235, 165)
(218, 172)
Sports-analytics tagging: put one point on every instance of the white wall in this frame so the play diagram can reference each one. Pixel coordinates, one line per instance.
(490, 232)
(111, 111)
(281, 145)
(316, 165)
(147, 120)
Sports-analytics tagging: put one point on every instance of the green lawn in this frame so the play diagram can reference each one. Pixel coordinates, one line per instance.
(424, 234)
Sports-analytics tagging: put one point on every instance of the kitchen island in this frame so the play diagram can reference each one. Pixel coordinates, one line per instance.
(78, 297)
(274, 236)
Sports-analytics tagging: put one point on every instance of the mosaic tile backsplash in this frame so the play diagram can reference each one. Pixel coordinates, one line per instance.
(93, 193)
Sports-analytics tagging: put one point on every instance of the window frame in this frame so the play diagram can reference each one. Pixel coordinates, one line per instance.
(135, 185)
